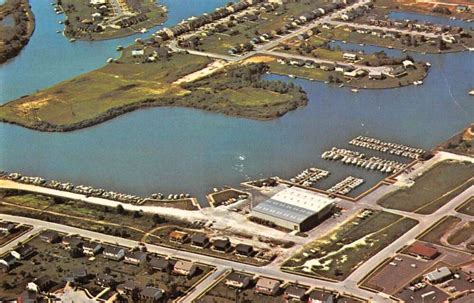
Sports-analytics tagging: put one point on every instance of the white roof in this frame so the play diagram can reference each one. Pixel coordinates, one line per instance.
(294, 204)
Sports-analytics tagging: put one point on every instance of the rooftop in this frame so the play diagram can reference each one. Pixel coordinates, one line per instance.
(293, 204)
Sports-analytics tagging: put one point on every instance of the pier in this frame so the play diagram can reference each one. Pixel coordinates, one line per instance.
(346, 185)
(387, 147)
(310, 176)
(361, 160)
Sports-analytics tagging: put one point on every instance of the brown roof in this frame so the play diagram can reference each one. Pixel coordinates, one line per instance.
(267, 283)
(423, 250)
(176, 234)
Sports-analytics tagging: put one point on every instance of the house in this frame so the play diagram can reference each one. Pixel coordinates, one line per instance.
(423, 251)
(318, 296)
(350, 56)
(76, 275)
(396, 72)
(327, 66)
(244, 250)
(237, 280)
(267, 286)
(91, 248)
(135, 257)
(295, 293)
(408, 63)
(184, 268)
(105, 280)
(50, 237)
(7, 263)
(160, 264)
(151, 294)
(375, 75)
(23, 252)
(462, 8)
(6, 227)
(199, 241)
(128, 287)
(343, 68)
(113, 252)
(70, 242)
(439, 275)
(222, 245)
(43, 283)
(178, 236)
(138, 52)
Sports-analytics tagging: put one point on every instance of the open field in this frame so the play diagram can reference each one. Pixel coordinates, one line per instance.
(340, 252)
(17, 24)
(37, 266)
(435, 234)
(467, 208)
(119, 88)
(433, 189)
(452, 232)
(82, 215)
(145, 14)
(463, 234)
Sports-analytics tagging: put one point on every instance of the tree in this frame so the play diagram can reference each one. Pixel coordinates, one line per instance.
(120, 209)
(75, 252)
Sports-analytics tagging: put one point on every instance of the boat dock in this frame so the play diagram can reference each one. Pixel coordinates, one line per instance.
(361, 160)
(310, 176)
(387, 147)
(345, 186)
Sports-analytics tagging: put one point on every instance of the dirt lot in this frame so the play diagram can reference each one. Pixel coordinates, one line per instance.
(360, 238)
(451, 232)
(46, 254)
(433, 189)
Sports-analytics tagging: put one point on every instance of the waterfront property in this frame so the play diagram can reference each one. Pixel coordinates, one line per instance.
(294, 209)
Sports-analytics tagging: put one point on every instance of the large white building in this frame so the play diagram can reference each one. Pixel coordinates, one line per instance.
(295, 209)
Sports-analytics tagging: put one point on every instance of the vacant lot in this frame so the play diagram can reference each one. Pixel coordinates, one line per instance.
(462, 235)
(433, 189)
(79, 214)
(468, 207)
(440, 229)
(46, 254)
(339, 253)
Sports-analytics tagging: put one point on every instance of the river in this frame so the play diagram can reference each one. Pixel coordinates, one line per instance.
(185, 150)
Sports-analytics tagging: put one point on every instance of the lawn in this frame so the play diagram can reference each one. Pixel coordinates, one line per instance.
(433, 189)
(339, 253)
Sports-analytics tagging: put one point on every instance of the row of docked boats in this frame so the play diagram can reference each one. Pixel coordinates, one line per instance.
(361, 160)
(310, 176)
(88, 191)
(391, 144)
(346, 185)
(387, 147)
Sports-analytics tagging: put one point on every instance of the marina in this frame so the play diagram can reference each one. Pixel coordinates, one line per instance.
(361, 160)
(387, 147)
(310, 176)
(346, 185)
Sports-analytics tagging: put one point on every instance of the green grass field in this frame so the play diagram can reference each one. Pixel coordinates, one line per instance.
(433, 189)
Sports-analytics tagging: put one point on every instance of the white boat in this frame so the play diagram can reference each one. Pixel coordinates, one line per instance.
(428, 64)
(355, 90)
(72, 40)
(292, 76)
(471, 92)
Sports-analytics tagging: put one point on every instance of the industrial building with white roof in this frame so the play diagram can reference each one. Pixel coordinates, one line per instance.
(295, 209)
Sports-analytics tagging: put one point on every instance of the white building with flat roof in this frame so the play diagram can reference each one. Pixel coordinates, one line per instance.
(295, 209)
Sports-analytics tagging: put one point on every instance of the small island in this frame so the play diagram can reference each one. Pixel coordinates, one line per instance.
(104, 19)
(17, 24)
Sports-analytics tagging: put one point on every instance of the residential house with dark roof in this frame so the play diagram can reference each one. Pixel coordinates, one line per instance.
(50, 236)
(22, 252)
(112, 252)
(91, 248)
(160, 264)
(77, 275)
(244, 249)
(105, 280)
(151, 294)
(7, 262)
(222, 245)
(127, 287)
(6, 227)
(72, 241)
(318, 296)
(200, 240)
(237, 280)
(135, 257)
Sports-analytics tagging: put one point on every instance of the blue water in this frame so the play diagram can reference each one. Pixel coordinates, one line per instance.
(185, 150)
(429, 18)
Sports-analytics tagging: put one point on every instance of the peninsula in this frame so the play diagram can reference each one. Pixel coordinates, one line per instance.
(17, 24)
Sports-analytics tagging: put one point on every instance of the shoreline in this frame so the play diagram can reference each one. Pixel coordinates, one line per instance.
(31, 26)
